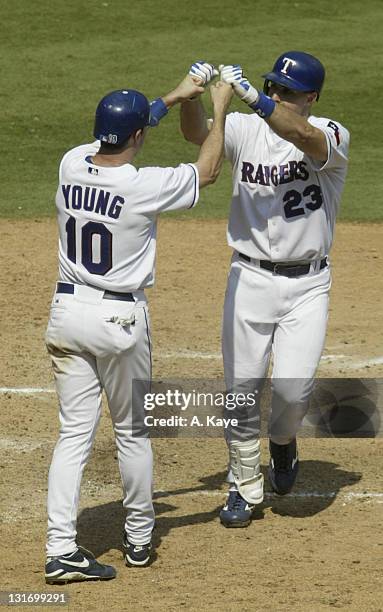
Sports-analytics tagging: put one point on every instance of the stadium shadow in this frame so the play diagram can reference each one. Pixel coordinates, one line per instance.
(317, 487)
(318, 484)
(100, 528)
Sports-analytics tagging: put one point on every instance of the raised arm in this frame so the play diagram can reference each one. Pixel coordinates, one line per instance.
(187, 93)
(211, 154)
(290, 125)
(188, 88)
(299, 131)
(194, 123)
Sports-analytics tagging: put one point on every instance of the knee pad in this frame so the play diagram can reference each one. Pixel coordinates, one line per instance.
(245, 467)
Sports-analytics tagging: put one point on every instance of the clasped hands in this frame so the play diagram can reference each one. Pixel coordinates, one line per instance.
(202, 73)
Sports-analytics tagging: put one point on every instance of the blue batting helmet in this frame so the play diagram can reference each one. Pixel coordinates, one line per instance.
(298, 71)
(119, 114)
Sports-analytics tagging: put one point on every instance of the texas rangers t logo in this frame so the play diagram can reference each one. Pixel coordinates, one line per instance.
(287, 62)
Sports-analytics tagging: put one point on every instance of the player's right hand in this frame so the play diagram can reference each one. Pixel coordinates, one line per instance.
(233, 75)
(203, 71)
(187, 89)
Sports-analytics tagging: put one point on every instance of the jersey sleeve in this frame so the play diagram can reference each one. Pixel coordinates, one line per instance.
(86, 149)
(178, 187)
(338, 141)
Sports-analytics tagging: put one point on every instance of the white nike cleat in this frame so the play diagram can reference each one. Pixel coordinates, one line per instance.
(79, 565)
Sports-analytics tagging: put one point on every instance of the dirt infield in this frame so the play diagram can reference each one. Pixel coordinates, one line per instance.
(317, 549)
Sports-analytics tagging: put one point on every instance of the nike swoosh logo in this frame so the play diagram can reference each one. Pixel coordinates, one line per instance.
(294, 461)
(83, 563)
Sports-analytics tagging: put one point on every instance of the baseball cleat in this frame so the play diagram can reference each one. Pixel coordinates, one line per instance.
(136, 555)
(236, 512)
(283, 466)
(79, 565)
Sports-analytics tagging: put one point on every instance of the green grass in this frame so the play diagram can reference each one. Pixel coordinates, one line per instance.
(59, 57)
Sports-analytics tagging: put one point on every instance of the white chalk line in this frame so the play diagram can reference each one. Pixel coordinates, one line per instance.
(20, 445)
(186, 354)
(345, 497)
(91, 485)
(13, 515)
(369, 362)
(26, 390)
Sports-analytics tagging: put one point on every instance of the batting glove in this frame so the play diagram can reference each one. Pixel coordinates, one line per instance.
(204, 71)
(243, 89)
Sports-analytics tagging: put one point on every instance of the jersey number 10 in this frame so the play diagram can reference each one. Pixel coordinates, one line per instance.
(88, 232)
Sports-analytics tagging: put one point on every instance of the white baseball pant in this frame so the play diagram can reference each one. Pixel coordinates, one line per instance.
(97, 344)
(268, 314)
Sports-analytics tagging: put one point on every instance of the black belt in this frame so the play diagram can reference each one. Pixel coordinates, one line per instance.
(108, 295)
(285, 268)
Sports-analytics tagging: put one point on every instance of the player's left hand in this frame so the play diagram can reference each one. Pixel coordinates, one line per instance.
(221, 94)
(233, 74)
(202, 72)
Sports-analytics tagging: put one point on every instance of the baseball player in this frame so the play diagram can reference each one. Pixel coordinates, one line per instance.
(98, 333)
(289, 169)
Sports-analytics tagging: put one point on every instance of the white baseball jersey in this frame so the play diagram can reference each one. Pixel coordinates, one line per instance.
(107, 218)
(284, 203)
